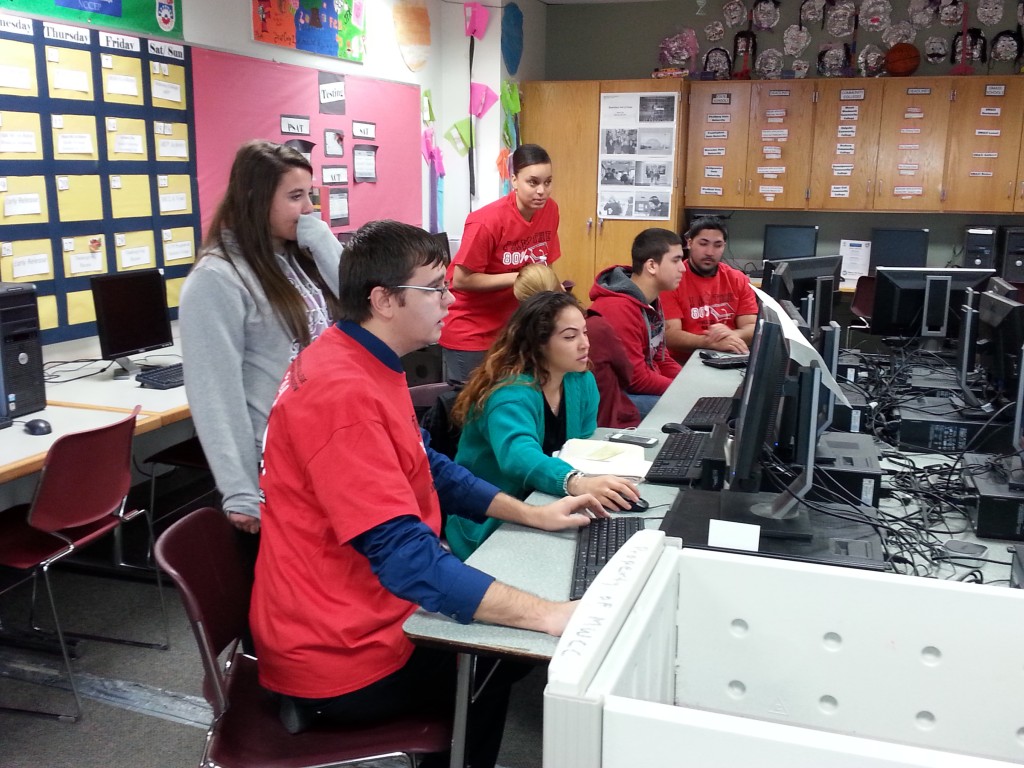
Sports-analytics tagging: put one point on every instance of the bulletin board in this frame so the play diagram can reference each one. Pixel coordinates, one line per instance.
(365, 134)
(97, 164)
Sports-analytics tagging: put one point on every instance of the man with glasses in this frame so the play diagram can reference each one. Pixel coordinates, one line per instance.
(352, 500)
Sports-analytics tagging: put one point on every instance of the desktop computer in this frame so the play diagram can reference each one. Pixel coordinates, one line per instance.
(22, 389)
(996, 511)
(1011, 253)
(980, 247)
(936, 424)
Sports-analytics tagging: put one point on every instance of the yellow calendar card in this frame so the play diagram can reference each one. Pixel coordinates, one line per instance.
(84, 255)
(69, 73)
(171, 140)
(174, 193)
(23, 200)
(47, 312)
(174, 291)
(26, 261)
(20, 136)
(126, 138)
(129, 196)
(179, 245)
(18, 69)
(167, 84)
(134, 250)
(80, 307)
(74, 137)
(79, 198)
(122, 79)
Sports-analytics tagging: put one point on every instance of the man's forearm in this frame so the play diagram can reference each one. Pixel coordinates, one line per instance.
(678, 340)
(511, 607)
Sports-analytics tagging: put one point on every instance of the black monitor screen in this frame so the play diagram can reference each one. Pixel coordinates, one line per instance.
(922, 303)
(1002, 325)
(798, 280)
(789, 242)
(757, 424)
(899, 248)
(131, 313)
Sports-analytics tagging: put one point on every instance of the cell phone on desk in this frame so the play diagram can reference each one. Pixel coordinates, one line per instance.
(632, 439)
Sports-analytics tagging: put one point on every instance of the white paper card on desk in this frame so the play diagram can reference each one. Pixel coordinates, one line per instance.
(800, 349)
(599, 457)
(725, 534)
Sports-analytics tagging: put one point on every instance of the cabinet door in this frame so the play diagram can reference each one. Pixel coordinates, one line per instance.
(563, 118)
(984, 144)
(778, 156)
(719, 125)
(614, 240)
(1018, 203)
(845, 150)
(912, 144)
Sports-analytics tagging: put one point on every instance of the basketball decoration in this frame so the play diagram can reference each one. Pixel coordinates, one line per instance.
(902, 60)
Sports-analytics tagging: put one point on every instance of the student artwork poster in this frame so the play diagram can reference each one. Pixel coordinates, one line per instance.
(335, 28)
(161, 18)
(635, 166)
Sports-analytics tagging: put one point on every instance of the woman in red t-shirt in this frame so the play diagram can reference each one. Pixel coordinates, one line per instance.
(499, 239)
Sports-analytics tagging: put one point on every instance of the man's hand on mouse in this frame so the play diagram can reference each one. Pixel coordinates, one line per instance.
(567, 512)
(613, 492)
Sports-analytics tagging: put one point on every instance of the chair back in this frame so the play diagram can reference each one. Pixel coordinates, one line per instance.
(86, 477)
(200, 553)
(863, 302)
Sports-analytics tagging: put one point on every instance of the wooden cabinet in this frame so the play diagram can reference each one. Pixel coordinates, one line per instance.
(748, 144)
(846, 118)
(984, 144)
(564, 118)
(912, 144)
(1018, 202)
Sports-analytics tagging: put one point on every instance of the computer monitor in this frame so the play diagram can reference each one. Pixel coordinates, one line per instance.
(784, 241)
(1003, 288)
(1002, 325)
(131, 316)
(1015, 466)
(898, 248)
(810, 283)
(915, 302)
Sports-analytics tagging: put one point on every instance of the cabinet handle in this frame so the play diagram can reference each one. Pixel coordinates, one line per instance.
(748, 186)
(868, 190)
(600, 224)
(1022, 189)
(1009, 191)
(590, 224)
(739, 186)
(878, 188)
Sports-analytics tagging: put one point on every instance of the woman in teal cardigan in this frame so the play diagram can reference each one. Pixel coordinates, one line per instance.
(532, 392)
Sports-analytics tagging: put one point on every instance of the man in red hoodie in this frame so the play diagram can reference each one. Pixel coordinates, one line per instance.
(627, 297)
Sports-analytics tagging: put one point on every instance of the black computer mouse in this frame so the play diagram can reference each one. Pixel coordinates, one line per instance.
(670, 427)
(640, 505)
(38, 427)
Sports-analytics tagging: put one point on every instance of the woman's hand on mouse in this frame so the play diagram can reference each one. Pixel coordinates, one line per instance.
(612, 491)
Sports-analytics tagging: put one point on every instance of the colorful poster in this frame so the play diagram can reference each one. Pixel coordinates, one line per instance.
(161, 18)
(335, 28)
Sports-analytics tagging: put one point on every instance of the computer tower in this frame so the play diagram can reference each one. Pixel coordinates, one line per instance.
(1011, 253)
(980, 247)
(22, 389)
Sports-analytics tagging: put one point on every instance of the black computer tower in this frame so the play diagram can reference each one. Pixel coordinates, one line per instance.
(1011, 253)
(980, 247)
(22, 389)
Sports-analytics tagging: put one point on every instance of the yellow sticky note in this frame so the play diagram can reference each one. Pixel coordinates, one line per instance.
(174, 291)
(128, 141)
(122, 81)
(169, 90)
(79, 199)
(129, 196)
(26, 261)
(70, 76)
(80, 307)
(20, 135)
(47, 312)
(76, 138)
(24, 202)
(136, 251)
(18, 69)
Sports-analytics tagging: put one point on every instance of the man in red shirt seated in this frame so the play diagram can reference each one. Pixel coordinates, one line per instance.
(714, 306)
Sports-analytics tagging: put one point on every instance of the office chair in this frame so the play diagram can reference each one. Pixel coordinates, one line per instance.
(200, 553)
(862, 305)
(80, 497)
(187, 453)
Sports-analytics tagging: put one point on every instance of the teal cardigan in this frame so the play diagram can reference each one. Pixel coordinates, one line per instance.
(501, 443)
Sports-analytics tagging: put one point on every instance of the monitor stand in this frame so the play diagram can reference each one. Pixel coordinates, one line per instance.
(756, 509)
(125, 368)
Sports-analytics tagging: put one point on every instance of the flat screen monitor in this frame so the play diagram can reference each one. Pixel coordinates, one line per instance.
(810, 283)
(916, 302)
(1002, 325)
(898, 248)
(784, 241)
(1015, 467)
(131, 315)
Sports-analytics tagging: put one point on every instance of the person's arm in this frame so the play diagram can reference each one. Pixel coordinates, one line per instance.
(212, 321)
(315, 236)
(408, 560)
(680, 341)
(465, 280)
(460, 492)
(625, 318)
(473, 260)
(745, 325)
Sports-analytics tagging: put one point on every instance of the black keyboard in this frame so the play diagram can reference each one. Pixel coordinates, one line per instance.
(595, 546)
(707, 412)
(679, 459)
(168, 377)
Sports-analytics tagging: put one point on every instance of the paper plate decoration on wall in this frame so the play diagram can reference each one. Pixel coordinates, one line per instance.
(764, 15)
(744, 51)
(1006, 46)
(679, 50)
(990, 12)
(951, 13)
(840, 19)
(769, 64)
(921, 13)
(812, 10)
(935, 50)
(977, 46)
(875, 15)
(870, 61)
(735, 13)
(512, 37)
(1020, 12)
(714, 31)
(800, 68)
(795, 40)
(412, 31)
(833, 59)
(902, 60)
(900, 32)
(718, 63)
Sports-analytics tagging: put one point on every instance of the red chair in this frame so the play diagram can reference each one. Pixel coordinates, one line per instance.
(80, 497)
(200, 553)
(862, 305)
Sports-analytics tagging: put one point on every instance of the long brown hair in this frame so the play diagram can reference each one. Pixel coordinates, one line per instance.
(517, 350)
(245, 210)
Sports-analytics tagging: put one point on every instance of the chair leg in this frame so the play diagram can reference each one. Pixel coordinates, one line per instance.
(67, 663)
